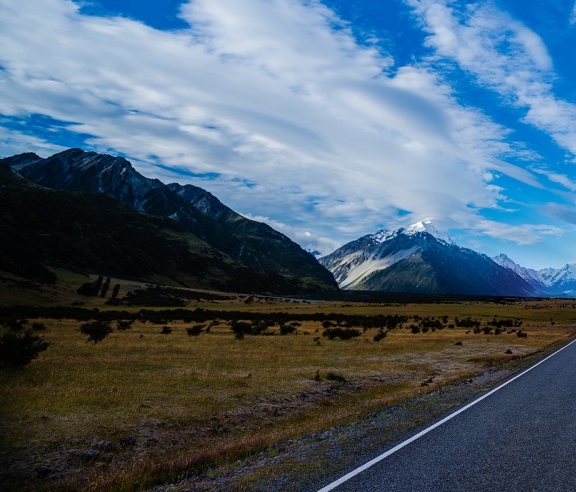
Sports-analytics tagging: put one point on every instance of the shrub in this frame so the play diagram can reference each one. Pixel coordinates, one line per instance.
(124, 324)
(166, 330)
(332, 376)
(467, 323)
(195, 330)
(287, 329)
(379, 336)
(38, 326)
(18, 350)
(240, 328)
(341, 333)
(96, 330)
(260, 327)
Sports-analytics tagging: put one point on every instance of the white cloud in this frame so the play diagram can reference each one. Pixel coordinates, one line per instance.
(311, 241)
(504, 56)
(566, 213)
(567, 182)
(279, 94)
(14, 142)
(523, 234)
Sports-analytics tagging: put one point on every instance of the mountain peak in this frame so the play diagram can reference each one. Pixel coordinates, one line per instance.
(425, 226)
(504, 260)
(417, 259)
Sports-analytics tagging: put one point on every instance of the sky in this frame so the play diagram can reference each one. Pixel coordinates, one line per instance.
(327, 119)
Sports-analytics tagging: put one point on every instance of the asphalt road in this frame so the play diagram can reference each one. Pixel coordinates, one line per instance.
(522, 437)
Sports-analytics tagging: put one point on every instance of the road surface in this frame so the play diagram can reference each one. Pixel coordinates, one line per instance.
(519, 437)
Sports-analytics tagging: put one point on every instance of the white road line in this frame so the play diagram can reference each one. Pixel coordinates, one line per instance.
(360, 469)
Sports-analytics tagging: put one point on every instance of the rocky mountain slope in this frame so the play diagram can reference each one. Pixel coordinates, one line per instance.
(417, 260)
(548, 281)
(248, 243)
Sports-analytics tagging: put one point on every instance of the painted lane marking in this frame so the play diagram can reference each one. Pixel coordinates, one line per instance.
(372, 462)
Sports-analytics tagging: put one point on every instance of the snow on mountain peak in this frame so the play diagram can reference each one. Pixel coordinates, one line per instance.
(505, 261)
(422, 226)
(381, 236)
(419, 227)
(426, 226)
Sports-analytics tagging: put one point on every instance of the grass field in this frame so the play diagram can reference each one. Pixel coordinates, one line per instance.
(152, 404)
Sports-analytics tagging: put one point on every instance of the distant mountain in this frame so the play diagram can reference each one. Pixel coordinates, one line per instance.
(247, 243)
(416, 260)
(548, 281)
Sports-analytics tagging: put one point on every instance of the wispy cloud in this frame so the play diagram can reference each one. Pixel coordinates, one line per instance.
(567, 182)
(566, 213)
(279, 94)
(504, 56)
(523, 234)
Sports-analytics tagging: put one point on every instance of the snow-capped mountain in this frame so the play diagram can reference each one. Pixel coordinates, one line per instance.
(415, 259)
(548, 281)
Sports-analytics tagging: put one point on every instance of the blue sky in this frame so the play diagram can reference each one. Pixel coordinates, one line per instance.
(326, 119)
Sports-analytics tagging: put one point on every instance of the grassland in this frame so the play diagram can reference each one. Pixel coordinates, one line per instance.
(151, 405)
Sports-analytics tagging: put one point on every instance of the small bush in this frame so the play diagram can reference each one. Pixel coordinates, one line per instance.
(332, 376)
(166, 330)
(240, 328)
(195, 330)
(124, 324)
(38, 326)
(96, 330)
(287, 329)
(379, 336)
(341, 333)
(18, 350)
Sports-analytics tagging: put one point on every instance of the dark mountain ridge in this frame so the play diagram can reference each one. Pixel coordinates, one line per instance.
(193, 212)
(252, 243)
(93, 233)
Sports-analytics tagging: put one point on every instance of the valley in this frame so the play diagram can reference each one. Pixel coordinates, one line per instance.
(178, 394)
(151, 338)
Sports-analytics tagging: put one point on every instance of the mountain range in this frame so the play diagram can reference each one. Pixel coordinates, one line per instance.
(548, 281)
(236, 253)
(418, 259)
(95, 213)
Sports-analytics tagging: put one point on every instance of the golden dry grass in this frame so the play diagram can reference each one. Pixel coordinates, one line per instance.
(142, 406)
